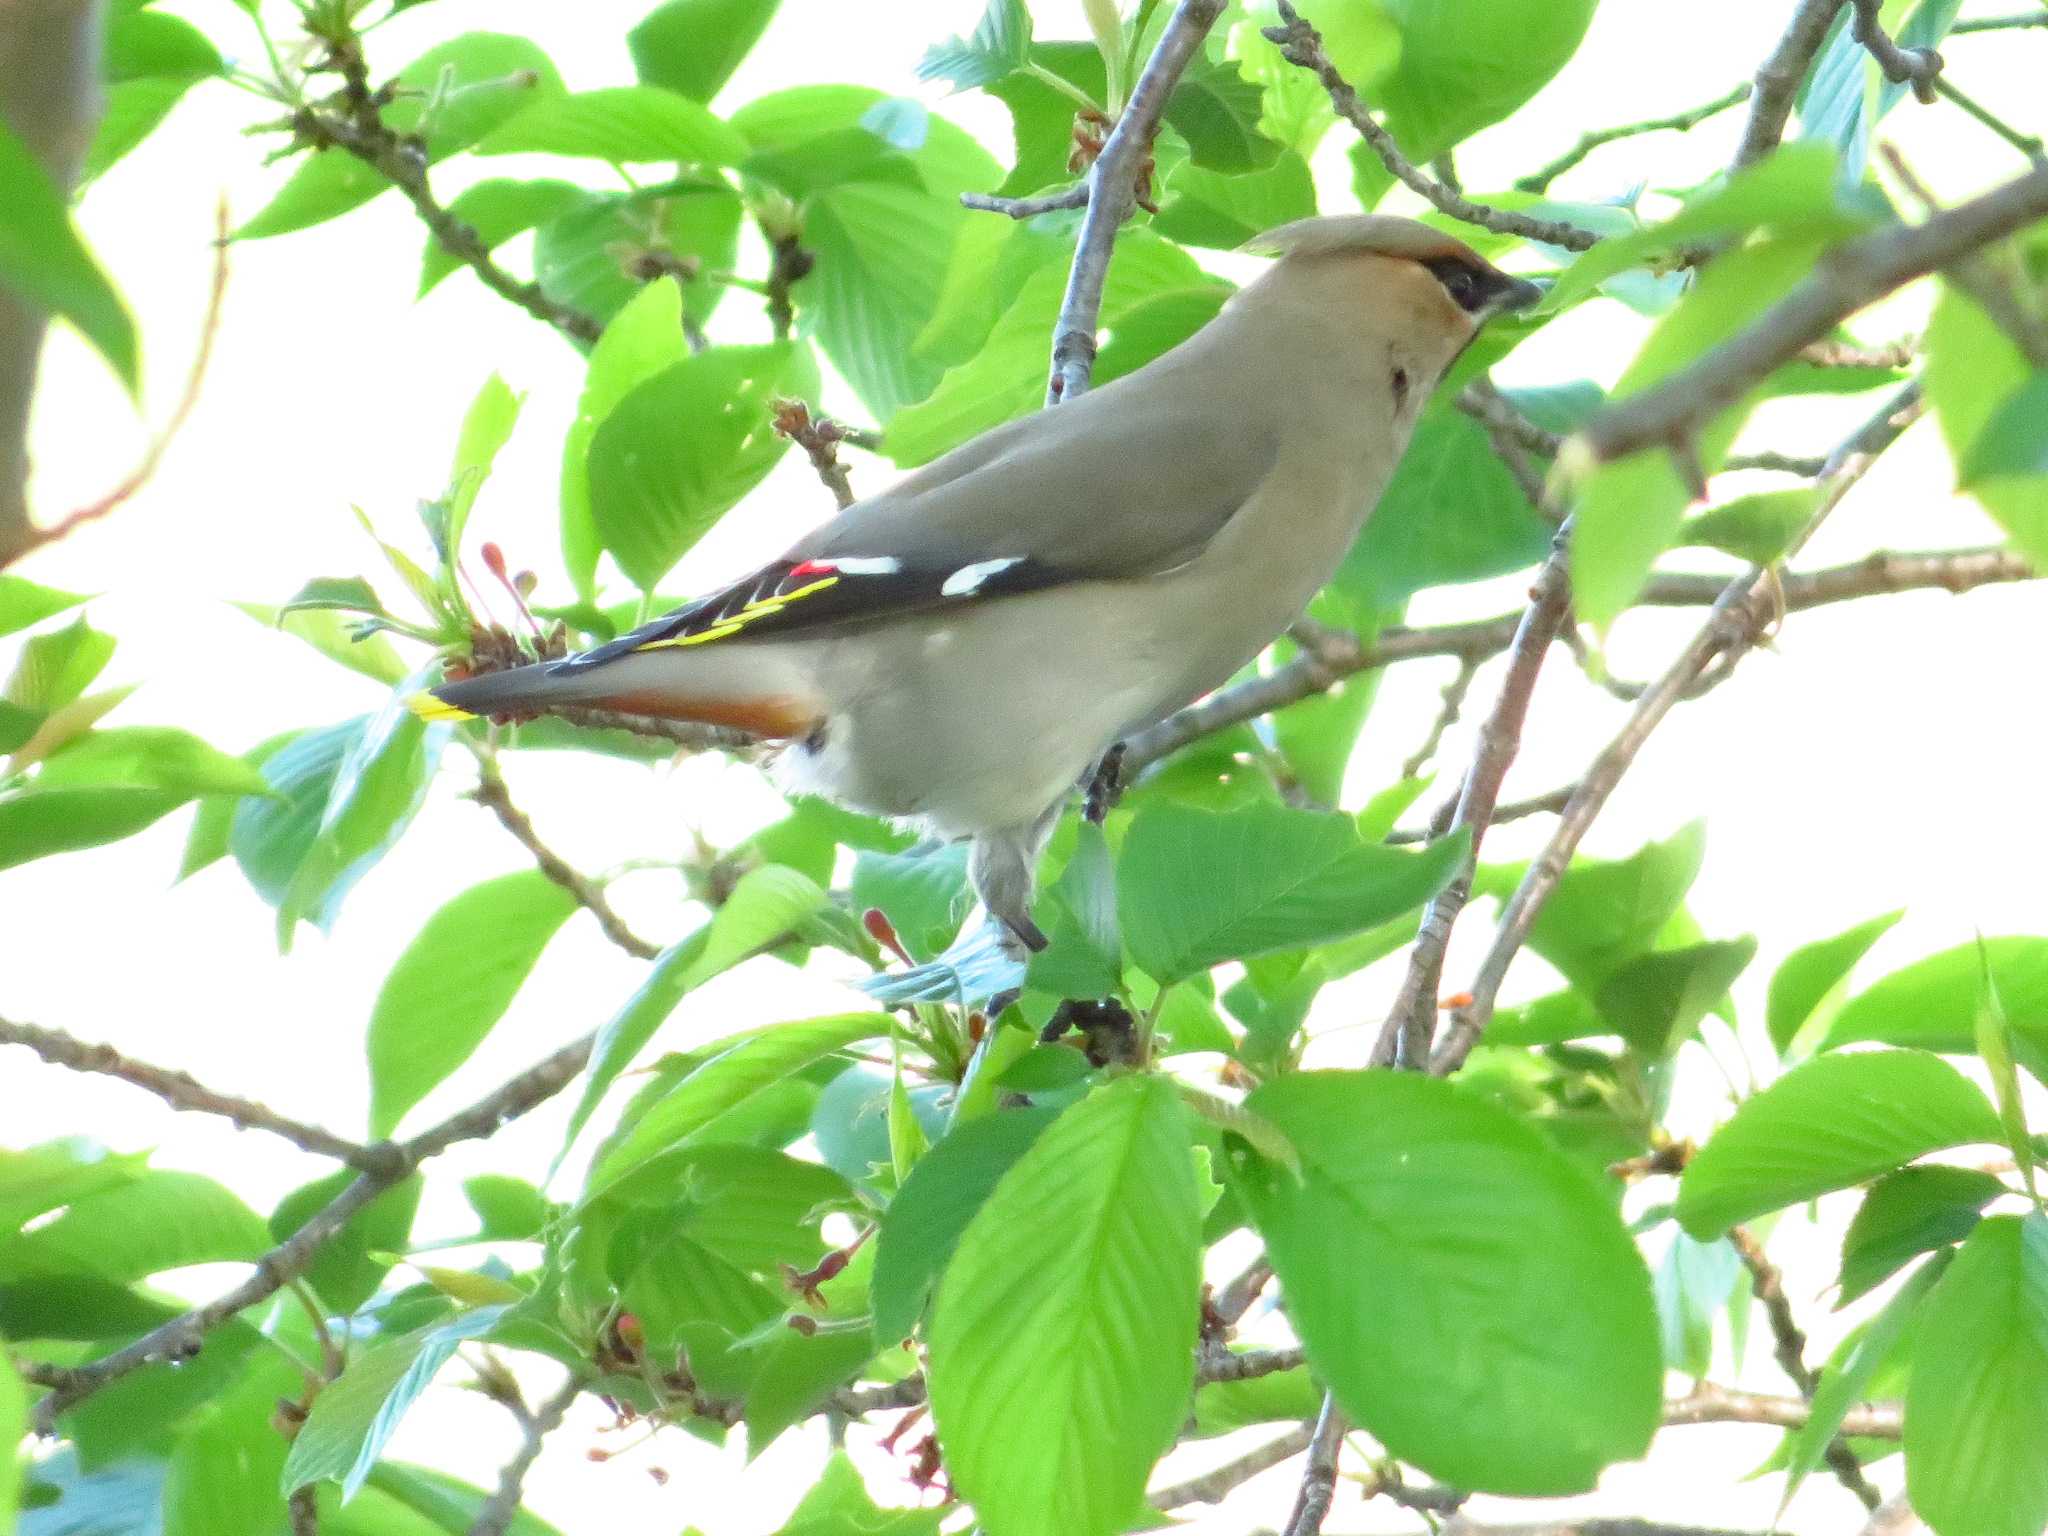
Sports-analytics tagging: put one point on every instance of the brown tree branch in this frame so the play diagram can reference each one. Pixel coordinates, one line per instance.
(1513, 810)
(1215, 1485)
(1319, 1477)
(1302, 45)
(185, 1335)
(1732, 626)
(1709, 1404)
(492, 794)
(1027, 207)
(1405, 1037)
(1112, 192)
(1679, 122)
(50, 96)
(182, 1091)
(1778, 78)
(2036, 18)
(1845, 279)
(496, 1514)
(302, 1511)
(819, 437)
(1767, 1285)
(1915, 67)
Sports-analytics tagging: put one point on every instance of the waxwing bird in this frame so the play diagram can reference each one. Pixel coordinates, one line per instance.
(960, 648)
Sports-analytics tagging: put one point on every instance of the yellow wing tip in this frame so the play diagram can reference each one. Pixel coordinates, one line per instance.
(430, 708)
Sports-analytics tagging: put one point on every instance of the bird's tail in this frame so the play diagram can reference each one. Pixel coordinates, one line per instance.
(759, 698)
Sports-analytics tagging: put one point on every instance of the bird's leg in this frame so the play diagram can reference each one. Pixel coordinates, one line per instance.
(1104, 785)
(1002, 866)
(1109, 1033)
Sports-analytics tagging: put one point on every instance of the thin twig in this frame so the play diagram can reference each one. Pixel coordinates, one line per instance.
(819, 437)
(1302, 45)
(2026, 143)
(1236, 1298)
(1319, 1477)
(182, 1091)
(1778, 78)
(1732, 626)
(1213, 1486)
(1843, 354)
(1709, 1404)
(1512, 810)
(195, 376)
(302, 1509)
(1678, 122)
(1405, 1037)
(2038, 18)
(1508, 427)
(185, 1335)
(495, 1517)
(1216, 1365)
(1112, 192)
(1845, 279)
(403, 162)
(1915, 67)
(1767, 1285)
(1446, 716)
(1027, 207)
(1585, 1525)
(494, 796)
(1991, 284)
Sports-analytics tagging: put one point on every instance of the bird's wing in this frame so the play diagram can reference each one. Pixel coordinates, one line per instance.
(1088, 492)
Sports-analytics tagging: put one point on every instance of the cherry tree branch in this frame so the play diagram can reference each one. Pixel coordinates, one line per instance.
(1302, 45)
(1319, 1477)
(1845, 279)
(1112, 191)
(1732, 626)
(494, 796)
(496, 1515)
(1215, 1485)
(1709, 1404)
(1914, 67)
(181, 1090)
(1778, 78)
(1679, 122)
(388, 1163)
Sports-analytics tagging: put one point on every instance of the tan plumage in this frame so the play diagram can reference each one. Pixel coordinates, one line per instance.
(961, 647)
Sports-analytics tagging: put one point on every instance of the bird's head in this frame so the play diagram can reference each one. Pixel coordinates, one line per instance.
(1423, 292)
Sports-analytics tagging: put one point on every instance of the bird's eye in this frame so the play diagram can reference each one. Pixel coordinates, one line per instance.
(1461, 282)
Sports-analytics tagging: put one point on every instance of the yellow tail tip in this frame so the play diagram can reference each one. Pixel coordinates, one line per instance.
(428, 707)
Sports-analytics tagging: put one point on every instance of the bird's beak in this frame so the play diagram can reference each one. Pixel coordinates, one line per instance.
(1521, 294)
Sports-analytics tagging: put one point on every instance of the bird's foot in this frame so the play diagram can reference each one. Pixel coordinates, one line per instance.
(1105, 785)
(1109, 1032)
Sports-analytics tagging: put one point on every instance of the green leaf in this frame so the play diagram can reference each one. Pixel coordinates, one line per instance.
(23, 602)
(625, 124)
(1217, 111)
(1791, 192)
(1408, 544)
(162, 1221)
(486, 428)
(335, 638)
(151, 757)
(838, 1505)
(1995, 1048)
(1432, 1236)
(1223, 211)
(922, 1226)
(477, 81)
(1827, 1124)
(1978, 1395)
(1605, 912)
(726, 1081)
(595, 254)
(1812, 974)
(1464, 64)
(2014, 441)
(643, 338)
(57, 1173)
(693, 46)
(1627, 512)
(1656, 1001)
(352, 1263)
(497, 210)
(798, 1372)
(151, 61)
(1755, 528)
(1294, 109)
(453, 983)
(1085, 957)
(1196, 887)
(1932, 1003)
(1973, 369)
(452, 1505)
(680, 450)
(999, 45)
(55, 669)
(40, 822)
(1842, 1384)
(45, 264)
(923, 894)
(356, 1414)
(689, 1299)
(1060, 1371)
(1005, 377)
(223, 1475)
(1906, 1214)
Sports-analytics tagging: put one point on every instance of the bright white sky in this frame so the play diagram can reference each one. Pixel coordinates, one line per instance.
(1887, 755)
